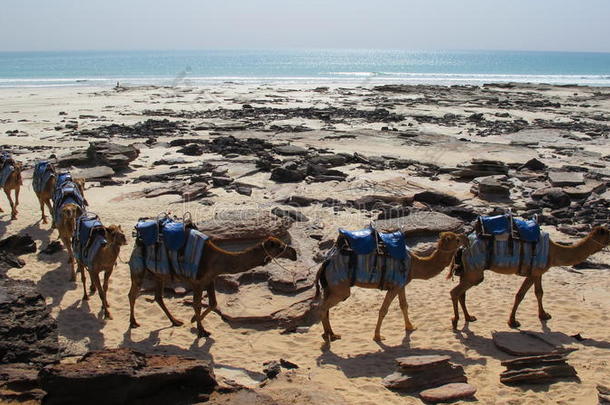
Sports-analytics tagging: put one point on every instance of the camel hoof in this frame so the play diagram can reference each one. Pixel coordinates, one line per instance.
(379, 338)
(545, 316)
(514, 323)
(193, 319)
(108, 316)
(134, 324)
(454, 323)
(177, 322)
(410, 328)
(331, 337)
(471, 318)
(85, 298)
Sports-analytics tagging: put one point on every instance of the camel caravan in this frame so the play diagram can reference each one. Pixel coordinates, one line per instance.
(167, 248)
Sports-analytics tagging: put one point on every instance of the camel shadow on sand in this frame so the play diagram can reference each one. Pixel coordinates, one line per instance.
(152, 345)
(77, 323)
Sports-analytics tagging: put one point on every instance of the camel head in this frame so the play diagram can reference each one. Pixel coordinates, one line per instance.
(69, 213)
(115, 235)
(601, 235)
(451, 242)
(275, 249)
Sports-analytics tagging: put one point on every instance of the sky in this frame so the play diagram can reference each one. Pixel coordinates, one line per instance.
(554, 25)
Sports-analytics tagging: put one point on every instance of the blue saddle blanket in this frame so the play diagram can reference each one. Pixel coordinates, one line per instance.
(43, 172)
(367, 269)
(68, 194)
(89, 236)
(527, 230)
(364, 242)
(5, 172)
(475, 256)
(62, 178)
(159, 259)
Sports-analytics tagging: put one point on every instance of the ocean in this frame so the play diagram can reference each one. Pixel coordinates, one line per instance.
(341, 67)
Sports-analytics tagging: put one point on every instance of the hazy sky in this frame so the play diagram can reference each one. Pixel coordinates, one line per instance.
(578, 25)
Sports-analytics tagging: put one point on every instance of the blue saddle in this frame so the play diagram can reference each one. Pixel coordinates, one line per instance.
(395, 244)
(65, 191)
(174, 233)
(89, 237)
(86, 225)
(529, 230)
(525, 230)
(362, 241)
(43, 171)
(62, 178)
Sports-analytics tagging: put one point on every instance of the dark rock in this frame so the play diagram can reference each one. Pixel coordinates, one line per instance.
(480, 168)
(329, 160)
(221, 181)
(533, 164)
(272, 368)
(76, 158)
(492, 188)
(244, 190)
(537, 369)
(288, 365)
(169, 161)
(299, 201)
(292, 214)
(448, 392)
(28, 332)
(94, 173)
(124, 376)
(437, 198)
(192, 149)
(421, 362)
(18, 244)
(112, 154)
(552, 197)
(288, 174)
(19, 383)
(52, 248)
(426, 378)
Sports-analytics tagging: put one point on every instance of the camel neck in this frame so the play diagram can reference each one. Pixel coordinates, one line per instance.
(427, 267)
(569, 255)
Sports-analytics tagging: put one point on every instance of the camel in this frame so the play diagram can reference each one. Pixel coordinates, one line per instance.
(13, 182)
(559, 255)
(104, 260)
(422, 268)
(68, 215)
(215, 261)
(46, 195)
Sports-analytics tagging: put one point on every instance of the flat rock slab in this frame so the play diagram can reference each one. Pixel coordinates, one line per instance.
(564, 179)
(421, 223)
(519, 344)
(245, 225)
(98, 172)
(124, 376)
(448, 392)
(408, 381)
(421, 362)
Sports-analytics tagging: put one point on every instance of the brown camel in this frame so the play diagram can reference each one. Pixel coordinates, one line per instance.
(104, 260)
(422, 268)
(68, 215)
(46, 195)
(559, 255)
(215, 261)
(13, 182)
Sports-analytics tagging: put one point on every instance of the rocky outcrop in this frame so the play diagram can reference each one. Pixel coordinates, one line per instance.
(245, 225)
(100, 153)
(448, 392)
(28, 333)
(124, 376)
(421, 223)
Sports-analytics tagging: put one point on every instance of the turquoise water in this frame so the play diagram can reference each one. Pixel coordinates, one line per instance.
(349, 67)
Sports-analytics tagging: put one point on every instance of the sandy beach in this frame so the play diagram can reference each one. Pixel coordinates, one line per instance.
(401, 140)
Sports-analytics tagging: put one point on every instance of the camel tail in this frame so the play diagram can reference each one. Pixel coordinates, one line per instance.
(321, 283)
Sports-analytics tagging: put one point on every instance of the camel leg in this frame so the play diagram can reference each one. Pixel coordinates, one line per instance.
(332, 298)
(136, 282)
(159, 299)
(467, 316)
(68, 244)
(83, 278)
(107, 275)
(404, 307)
(17, 190)
(389, 297)
(542, 314)
(12, 204)
(527, 283)
(212, 303)
(95, 275)
(197, 294)
(44, 217)
(456, 293)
